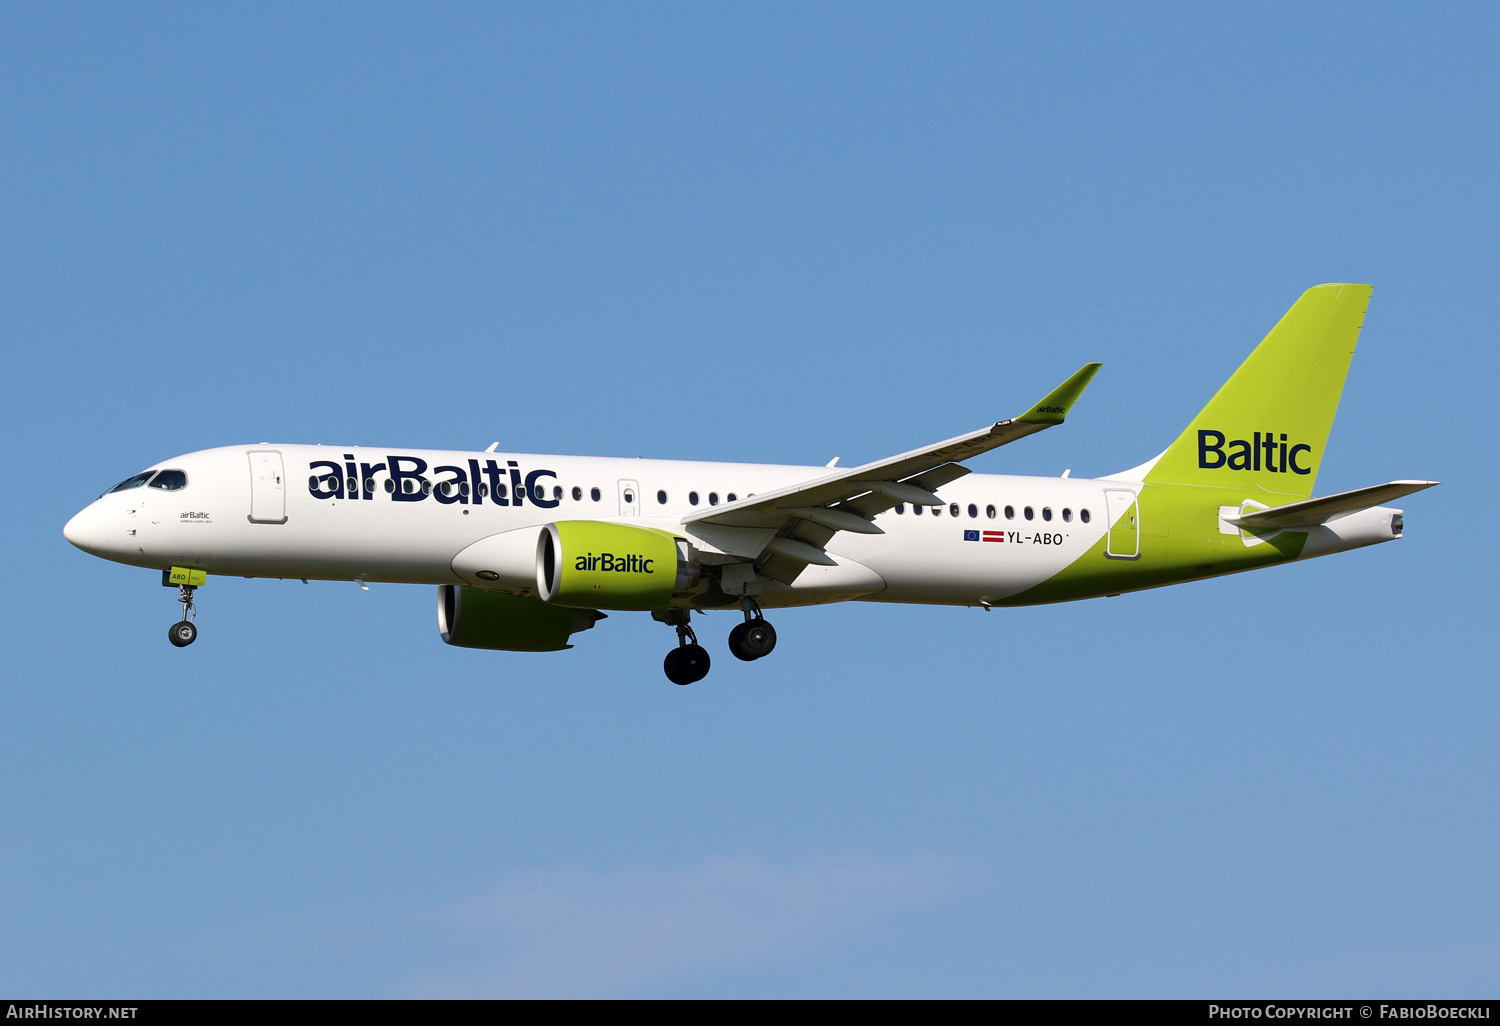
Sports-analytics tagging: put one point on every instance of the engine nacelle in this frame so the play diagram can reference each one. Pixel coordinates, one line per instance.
(611, 566)
(471, 618)
(502, 562)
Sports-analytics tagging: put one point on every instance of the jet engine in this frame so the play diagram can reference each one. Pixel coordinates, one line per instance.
(471, 618)
(611, 566)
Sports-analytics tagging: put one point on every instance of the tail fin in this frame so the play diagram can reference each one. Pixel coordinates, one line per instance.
(1268, 425)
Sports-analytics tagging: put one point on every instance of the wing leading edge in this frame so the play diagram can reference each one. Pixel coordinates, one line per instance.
(786, 529)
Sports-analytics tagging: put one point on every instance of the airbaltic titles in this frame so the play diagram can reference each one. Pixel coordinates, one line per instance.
(406, 481)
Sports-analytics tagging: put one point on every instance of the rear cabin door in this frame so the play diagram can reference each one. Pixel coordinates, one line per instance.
(267, 487)
(630, 499)
(1124, 524)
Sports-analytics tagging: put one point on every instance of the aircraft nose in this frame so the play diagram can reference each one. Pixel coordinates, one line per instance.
(83, 530)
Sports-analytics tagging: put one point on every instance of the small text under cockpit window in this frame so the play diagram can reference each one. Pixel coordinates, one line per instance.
(170, 480)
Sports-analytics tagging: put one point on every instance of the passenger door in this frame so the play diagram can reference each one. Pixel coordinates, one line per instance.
(267, 487)
(1124, 524)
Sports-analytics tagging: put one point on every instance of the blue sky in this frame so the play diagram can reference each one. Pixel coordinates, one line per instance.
(772, 233)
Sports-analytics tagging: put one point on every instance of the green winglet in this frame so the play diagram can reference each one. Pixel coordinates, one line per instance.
(1060, 400)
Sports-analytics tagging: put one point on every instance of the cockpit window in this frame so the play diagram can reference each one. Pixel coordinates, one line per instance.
(132, 482)
(171, 480)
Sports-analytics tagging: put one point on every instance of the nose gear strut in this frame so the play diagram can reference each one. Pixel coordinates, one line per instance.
(184, 633)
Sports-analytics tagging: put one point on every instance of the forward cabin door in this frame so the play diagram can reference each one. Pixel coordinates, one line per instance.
(267, 487)
(630, 499)
(1124, 524)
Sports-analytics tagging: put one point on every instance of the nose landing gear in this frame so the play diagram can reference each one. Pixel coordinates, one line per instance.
(755, 638)
(184, 633)
(688, 663)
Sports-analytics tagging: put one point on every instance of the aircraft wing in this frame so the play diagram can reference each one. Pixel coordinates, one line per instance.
(788, 527)
(1311, 512)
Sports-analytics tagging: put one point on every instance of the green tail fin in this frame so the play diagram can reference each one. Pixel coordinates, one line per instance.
(1268, 425)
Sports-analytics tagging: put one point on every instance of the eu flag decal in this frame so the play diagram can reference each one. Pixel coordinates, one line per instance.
(971, 536)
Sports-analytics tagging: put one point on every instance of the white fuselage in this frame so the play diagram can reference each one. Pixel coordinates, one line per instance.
(230, 518)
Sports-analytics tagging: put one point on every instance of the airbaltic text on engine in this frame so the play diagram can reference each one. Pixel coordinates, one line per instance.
(608, 562)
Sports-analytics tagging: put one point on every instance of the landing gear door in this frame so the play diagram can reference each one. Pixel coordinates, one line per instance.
(1124, 524)
(267, 487)
(630, 499)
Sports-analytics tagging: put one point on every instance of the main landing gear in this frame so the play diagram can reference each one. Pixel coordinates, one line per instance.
(184, 633)
(688, 663)
(755, 637)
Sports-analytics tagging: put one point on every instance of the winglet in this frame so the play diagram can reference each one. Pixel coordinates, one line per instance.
(1060, 400)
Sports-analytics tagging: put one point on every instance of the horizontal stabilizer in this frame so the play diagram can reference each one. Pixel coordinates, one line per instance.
(1311, 512)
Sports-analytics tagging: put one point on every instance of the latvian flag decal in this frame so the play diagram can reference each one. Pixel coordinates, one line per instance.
(994, 536)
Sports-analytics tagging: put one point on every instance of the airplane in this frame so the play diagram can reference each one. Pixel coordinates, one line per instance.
(528, 550)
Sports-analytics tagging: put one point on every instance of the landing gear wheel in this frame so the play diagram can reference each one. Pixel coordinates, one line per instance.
(752, 639)
(687, 664)
(671, 666)
(183, 633)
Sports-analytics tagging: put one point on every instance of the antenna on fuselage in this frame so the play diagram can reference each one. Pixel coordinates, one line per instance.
(492, 447)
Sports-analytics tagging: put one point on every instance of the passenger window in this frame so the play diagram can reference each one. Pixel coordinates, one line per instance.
(989, 511)
(463, 489)
(594, 494)
(577, 494)
(916, 510)
(483, 490)
(692, 498)
(132, 482)
(370, 486)
(953, 509)
(500, 491)
(900, 508)
(973, 511)
(170, 480)
(1083, 515)
(730, 497)
(390, 486)
(629, 495)
(1046, 512)
(1067, 515)
(1030, 514)
(661, 497)
(1010, 512)
(713, 498)
(557, 492)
